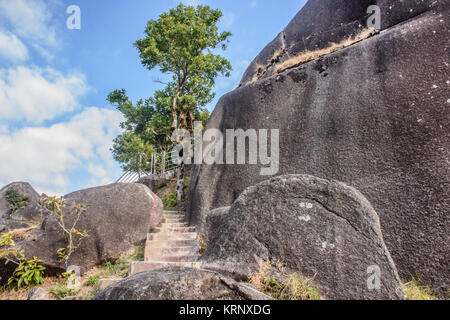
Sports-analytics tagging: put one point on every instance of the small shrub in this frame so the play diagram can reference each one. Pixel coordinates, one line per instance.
(416, 290)
(293, 287)
(16, 199)
(139, 253)
(203, 245)
(73, 236)
(170, 201)
(61, 291)
(92, 281)
(28, 273)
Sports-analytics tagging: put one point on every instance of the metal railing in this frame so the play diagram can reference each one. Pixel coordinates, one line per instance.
(161, 166)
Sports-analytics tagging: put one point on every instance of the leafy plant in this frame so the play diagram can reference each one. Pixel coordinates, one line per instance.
(170, 200)
(28, 272)
(16, 199)
(73, 235)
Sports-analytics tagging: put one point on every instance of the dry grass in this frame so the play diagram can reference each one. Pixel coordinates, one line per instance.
(312, 55)
(416, 290)
(7, 293)
(56, 286)
(21, 234)
(292, 287)
(308, 56)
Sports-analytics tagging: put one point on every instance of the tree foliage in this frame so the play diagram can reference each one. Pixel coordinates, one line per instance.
(182, 43)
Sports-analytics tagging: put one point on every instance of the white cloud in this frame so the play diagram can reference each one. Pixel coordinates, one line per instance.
(12, 48)
(30, 19)
(253, 4)
(34, 95)
(45, 156)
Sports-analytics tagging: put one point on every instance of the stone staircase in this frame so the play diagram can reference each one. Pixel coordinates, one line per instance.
(173, 244)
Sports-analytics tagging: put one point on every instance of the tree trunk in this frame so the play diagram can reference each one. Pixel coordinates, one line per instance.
(180, 182)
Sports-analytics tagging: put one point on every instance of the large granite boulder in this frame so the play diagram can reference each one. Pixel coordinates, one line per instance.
(179, 284)
(373, 115)
(119, 216)
(322, 229)
(23, 188)
(322, 23)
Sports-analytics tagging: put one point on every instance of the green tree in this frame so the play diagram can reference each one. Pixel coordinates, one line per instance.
(181, 43)
(132, 152)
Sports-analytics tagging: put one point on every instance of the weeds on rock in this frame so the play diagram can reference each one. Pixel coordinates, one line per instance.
(16, 199)
(61, 291)
(291, 287)
(417, 290)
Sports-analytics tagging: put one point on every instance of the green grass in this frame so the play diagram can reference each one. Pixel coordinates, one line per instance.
(417, 290)
(120, 267)
(92, 281)
(61, 291)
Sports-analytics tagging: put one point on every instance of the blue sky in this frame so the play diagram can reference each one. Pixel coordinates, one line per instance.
(56, 127)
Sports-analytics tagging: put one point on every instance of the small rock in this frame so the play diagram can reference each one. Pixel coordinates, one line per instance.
(179, 284)
(37, 293)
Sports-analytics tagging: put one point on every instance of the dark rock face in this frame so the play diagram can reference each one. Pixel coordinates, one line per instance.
(119, 216)
(179, 284)
(323, 229)
(323, 22)
(37, 293)
(214, 221)
(373, 115)
(31, 212)
(24, 188)
(153, 183)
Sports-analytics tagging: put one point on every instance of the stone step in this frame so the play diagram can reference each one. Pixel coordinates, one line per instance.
(174, 216)
(175, 229)
(173, 258)
(172, 236)
(137, 267)
(172, 243)
(175, 212)
(168, 251)
(175, 220)
(174, 225)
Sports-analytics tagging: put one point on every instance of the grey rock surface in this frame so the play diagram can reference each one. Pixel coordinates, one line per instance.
(179, 284)
(214, 220)
(119, 217)
(321, 229)
(373, 115)
(24, 188)
(37, 293)
(153, 183)
(322, 23)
